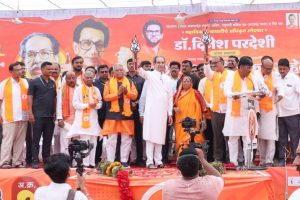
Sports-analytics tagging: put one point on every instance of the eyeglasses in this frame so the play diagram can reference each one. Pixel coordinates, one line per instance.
(154, 32)
(43, 54)
(102, 72)
(88, 44)
(214, 63)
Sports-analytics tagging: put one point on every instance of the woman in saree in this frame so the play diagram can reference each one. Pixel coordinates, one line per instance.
(188, 102)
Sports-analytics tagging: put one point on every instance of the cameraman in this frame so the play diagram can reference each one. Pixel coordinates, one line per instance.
(57, 168)
(191, 185)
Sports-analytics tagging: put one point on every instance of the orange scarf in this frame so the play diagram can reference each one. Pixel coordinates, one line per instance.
(237, 87)
(218, 93)
(86, 100)
(266, 103)
(66, 101)
(207, 90)
(8, 98)
(113, 89)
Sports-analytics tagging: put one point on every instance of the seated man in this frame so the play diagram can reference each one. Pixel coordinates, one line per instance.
(191, 185)
(57, 168)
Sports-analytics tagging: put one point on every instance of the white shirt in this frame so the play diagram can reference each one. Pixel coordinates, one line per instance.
(56, 191)
(295, 195)
(289, 105)
(174, 84)
(18, 113)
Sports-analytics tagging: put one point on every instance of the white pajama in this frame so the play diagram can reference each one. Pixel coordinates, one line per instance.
(64, 141)
(266, 150)
(111, 145)
(153, 152)
(90, 159)
(233, 144)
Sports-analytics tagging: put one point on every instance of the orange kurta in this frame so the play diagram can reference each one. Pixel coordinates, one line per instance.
(189, 106)
(110, 95)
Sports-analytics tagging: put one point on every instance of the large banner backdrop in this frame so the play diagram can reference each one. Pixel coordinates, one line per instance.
(107, 40)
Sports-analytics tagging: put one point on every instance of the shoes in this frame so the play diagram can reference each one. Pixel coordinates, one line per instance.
(161, 166)
(6, 166)
(151, 166)
(125, 164)
(35, 165)
(20, 166)
(138, 163)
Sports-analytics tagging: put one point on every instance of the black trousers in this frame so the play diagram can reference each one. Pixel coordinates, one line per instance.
(43, 126)
(288, 126)
(165, 147)
(138, 135)
(217, 122)
(29, 144)
(209, 137)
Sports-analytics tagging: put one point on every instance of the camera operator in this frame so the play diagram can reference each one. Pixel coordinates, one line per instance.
(57, 168)
(191, 185)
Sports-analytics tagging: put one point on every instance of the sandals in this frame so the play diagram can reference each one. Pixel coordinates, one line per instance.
(161, 166)
(151, 166)
(6, 166)
(20, 166)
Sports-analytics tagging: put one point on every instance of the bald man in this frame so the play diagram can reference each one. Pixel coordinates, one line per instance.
(86, 100)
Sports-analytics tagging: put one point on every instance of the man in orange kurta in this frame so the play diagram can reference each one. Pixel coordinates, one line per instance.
(118, 93)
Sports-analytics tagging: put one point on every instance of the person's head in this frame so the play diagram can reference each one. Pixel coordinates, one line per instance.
(91, 69)
(15, 70)
(37, 48)
(55, 70)
(292, 19)
(245, 66)
(159, 63)
(118, 71)
(47, 69)
(200, 68)
(186, 67)
(146, 65)
(57, 167)
(175, 69)
(130, 65)
(266, 65)
(187, 83)
(232, 62)
(71, 79)
(283, 67)
(23, 69)
(90, 40)
(103, 72)
(77, 63)
(217, 64)
(111, 72)
(194, 70)
(153, 32)
(188, 163)
(88, 78)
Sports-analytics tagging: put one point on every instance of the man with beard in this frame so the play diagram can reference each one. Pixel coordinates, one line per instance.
(200, 68)
(232, 63)
(37, 48)
(153, 34)
(186, 69)
(77, 65)
(175, 69)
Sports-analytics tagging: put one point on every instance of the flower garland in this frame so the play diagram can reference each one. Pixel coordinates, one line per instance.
(117, 170)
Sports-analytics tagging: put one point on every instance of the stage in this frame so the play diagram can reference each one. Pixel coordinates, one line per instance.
(20, 184)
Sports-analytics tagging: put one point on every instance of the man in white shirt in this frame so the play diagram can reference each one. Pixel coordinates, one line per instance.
(288, 110)
(57, 168)
(158, 111)
(14, 117)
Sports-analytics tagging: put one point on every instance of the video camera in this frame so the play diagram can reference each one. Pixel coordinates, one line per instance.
(189, 124)
(76, 151)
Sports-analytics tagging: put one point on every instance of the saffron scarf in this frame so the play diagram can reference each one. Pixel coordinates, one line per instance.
(66, 101)
(113, 89)
(218, 93)
(8, 98)
(266, 103)
(86, 114)
(207, 90)
(237, 87)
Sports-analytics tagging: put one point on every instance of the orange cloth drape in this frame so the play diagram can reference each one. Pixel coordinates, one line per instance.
(86, 100)
(266, 103)
(189, 106)
(218, 93)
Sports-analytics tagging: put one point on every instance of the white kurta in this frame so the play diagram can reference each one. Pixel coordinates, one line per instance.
(238, 126)
(76, 129)
(159, 104)
(268, 122)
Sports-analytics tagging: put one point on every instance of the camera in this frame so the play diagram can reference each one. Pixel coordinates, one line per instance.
(76, 151)
(189, 124)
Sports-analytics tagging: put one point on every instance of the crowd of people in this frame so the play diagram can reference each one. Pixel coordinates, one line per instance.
(128, 113)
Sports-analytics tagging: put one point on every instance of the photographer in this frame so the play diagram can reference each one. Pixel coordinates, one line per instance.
(57, 168)
(191, 185)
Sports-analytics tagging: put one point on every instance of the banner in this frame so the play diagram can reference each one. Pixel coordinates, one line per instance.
(107, 40)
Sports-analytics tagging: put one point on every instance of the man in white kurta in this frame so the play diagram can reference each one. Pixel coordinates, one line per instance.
(237, 125)
(267, 132)
(86, 127)
(158, 110)
(65, 112)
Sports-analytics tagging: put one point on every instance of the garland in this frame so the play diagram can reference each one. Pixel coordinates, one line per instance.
(117, 170)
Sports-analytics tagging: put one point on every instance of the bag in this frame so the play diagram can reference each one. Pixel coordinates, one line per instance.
(71, 195)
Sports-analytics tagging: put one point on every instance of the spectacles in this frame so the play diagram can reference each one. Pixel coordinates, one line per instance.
(88, 44)
(43, 54)
(102, 72)
(214, 63)
(154, 32)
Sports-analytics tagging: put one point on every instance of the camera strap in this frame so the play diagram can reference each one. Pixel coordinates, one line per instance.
(71, 195)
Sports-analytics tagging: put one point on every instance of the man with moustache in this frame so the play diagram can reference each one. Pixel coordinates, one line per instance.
(200, 68)
(186, 69)
(232, 63)
(174, 74)
(37, 48)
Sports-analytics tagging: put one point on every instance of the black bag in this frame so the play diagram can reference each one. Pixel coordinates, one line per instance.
(71, 195)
